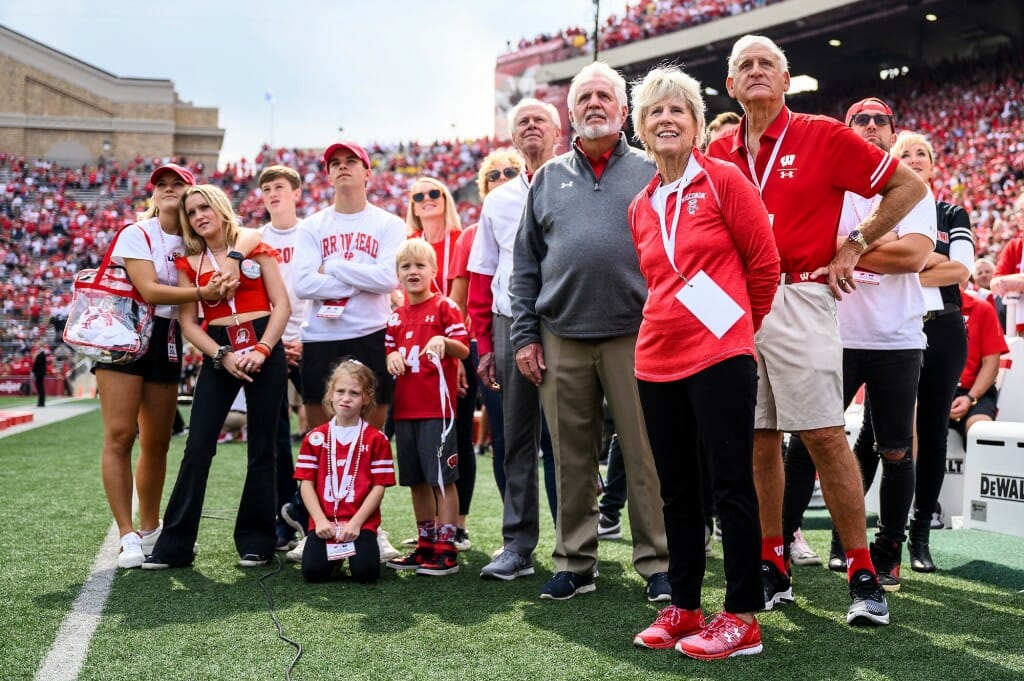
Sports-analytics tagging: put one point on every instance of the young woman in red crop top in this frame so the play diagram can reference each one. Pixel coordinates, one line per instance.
(242, 349)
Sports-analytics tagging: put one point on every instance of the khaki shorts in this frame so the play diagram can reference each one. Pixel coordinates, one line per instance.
(800, 361)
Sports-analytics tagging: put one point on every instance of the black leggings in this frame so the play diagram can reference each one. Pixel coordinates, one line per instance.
(364, 565)
(943, 363)
(711, 411)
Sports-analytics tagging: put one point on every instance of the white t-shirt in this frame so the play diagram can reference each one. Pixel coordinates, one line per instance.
(496, 237)
(284, 241)
(357, 254)
(886, 315)
(162, 249)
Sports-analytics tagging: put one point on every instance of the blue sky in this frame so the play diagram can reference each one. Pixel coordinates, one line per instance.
(384, 71)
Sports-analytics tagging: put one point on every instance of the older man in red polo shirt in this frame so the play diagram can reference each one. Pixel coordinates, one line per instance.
(802, 166)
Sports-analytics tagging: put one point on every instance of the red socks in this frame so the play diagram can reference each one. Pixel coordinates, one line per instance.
(771, 549)
(858, 559)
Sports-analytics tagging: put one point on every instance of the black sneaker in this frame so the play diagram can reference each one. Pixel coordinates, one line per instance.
(296, 516)
(886, 556)
(777, 587)
(867, 600)
(565, 585)
(412, 561)
(253, 560)
(658, 588)
(608, 528)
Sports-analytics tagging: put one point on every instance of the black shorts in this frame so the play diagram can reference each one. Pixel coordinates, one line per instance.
(154, 366)
(416, 444)
(320, 357)
(986, 405)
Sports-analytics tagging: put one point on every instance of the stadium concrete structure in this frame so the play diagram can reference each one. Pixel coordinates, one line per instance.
(58, 108)
(874, 36)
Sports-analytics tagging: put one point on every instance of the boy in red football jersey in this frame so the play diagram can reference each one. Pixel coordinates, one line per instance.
(424, 340)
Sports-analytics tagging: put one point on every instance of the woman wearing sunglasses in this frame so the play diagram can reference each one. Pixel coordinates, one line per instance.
(433, 216)
(497, 168)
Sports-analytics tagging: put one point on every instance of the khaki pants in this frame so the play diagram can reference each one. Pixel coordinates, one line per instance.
(579, 374)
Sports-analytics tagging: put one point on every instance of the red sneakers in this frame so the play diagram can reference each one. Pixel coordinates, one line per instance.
(423, 553)
(726, 636)
(671, 625)
(445, 561)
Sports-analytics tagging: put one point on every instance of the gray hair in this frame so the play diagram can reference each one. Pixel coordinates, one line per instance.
(660, 84)
(750, 40)
(548, 108)
(598, 68)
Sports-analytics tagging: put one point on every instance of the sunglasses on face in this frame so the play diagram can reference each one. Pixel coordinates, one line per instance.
(495, 175)
(420, 197)
(863, 119)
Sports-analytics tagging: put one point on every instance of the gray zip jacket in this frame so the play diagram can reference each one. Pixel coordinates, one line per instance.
(575, 267)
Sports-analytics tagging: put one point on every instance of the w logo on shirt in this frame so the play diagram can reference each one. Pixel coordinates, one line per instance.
(787, 160)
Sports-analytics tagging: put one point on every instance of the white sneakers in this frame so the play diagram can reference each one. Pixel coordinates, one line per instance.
(295, 555)
(135, 547)
(387, 551)
(131, 554)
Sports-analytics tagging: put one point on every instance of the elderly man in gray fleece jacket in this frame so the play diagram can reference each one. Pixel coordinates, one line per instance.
(577, 297)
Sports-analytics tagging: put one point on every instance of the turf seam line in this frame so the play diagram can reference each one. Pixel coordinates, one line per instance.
(67, 654)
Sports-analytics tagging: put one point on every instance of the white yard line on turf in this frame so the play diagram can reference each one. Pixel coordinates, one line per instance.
(66, 655)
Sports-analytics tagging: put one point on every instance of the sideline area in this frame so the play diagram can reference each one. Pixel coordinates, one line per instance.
(56, 410)
(66, 655)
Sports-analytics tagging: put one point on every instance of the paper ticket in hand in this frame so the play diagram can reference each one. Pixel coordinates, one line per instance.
(709, 303)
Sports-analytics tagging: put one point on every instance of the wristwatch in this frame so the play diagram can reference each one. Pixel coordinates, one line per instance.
(237, 255)
(218, 357)
(855, 236)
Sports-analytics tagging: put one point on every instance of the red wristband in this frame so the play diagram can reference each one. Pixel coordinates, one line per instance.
(262, 349)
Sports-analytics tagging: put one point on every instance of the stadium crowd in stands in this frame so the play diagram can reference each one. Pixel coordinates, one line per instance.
(646, 20)
(57, 220)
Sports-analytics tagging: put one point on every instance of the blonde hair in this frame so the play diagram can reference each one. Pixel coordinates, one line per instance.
(221, 205)
(451, 213)
(505, 156)
(663, 83)
(364, 376)
(413, 249)
(905, 140)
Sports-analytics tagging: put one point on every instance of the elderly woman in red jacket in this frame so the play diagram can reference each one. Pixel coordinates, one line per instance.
(706, 249)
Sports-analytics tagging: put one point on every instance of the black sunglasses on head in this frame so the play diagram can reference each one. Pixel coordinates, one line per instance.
(420, 197)
(495, 175)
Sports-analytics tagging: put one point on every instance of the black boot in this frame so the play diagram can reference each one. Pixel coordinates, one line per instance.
(836, 555)
(887, 555)
(917, 545)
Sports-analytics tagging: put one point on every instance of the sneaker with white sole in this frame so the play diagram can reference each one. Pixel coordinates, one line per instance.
(777, 586)
(253, 560)
(387, 551)
(295, 555)
(462, 542)
(658, 588)
(149, 540)
(867, 600)
(671, 625)
(564, 585)
(296, 517)
(507, 565)
(725, 636)
(131, 554)
(608, 528)
(801, 553)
